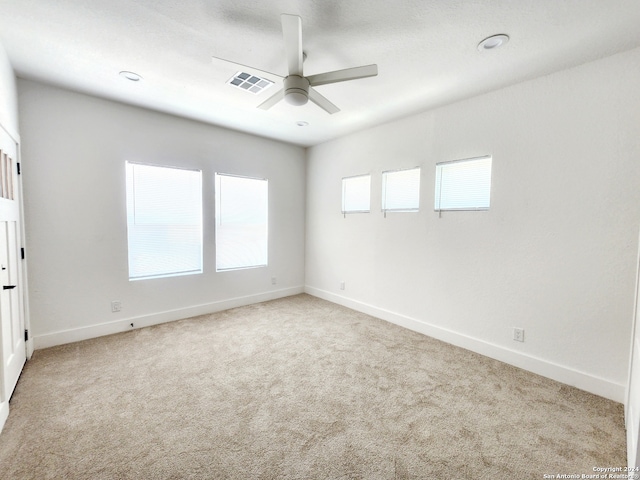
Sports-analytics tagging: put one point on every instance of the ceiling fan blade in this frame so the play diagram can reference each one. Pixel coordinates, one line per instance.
(343, 75)
(240, 67)
(292, 33)
(272, 100)
(322, 102)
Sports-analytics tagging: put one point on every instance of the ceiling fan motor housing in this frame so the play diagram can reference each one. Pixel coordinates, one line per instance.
(296, 90)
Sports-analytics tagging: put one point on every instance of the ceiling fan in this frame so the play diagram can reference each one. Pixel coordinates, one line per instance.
(298, 89)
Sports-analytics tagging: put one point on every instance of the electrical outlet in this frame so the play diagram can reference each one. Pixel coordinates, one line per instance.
(116, 306)
(273, 280)
(518, 334)
(342, 285)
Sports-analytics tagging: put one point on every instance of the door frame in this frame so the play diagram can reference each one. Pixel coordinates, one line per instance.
(632, 397)
(29, 344)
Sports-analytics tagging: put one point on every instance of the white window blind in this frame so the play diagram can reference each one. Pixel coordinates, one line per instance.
(463, 184)
(164, 221)
(356, 194)
(242, 206)
(401, 190)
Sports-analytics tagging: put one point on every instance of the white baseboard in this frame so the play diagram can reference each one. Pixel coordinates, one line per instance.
(123, 325)
(4, 414)
(584, 381)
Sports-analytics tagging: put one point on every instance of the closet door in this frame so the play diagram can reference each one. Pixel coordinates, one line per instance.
(11, 299)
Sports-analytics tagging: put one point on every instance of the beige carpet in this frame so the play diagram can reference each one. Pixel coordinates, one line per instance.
(296, 388)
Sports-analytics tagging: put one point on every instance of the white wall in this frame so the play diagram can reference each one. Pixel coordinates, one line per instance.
(556, 253)
(8, 95)
(75, 147)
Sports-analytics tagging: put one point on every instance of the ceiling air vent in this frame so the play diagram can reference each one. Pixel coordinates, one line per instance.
(249, 82)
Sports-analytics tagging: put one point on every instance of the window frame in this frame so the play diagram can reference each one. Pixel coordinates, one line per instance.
(216, 222)
(438, 185)
(384, 190)
(129, 231)
(346, 179)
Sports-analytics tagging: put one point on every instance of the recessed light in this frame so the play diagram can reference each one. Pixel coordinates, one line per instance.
(134, 77)
(302, 123)
(493, 42)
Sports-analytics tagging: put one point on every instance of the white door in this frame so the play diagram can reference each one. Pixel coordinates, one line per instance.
(11, 300)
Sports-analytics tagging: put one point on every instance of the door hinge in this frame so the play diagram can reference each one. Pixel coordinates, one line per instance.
(18, 165)
(26, 335)
(22, 253)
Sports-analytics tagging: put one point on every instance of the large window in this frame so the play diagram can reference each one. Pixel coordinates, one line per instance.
(164, 221)
(356, 194)
(241, 222)
(463, 184)
(401, 190)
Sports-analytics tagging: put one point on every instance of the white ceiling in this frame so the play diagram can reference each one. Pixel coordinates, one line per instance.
(426, 52)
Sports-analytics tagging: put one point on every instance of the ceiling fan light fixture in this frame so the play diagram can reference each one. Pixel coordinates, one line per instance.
(296, 97)
(296, 90)
(493, 42)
